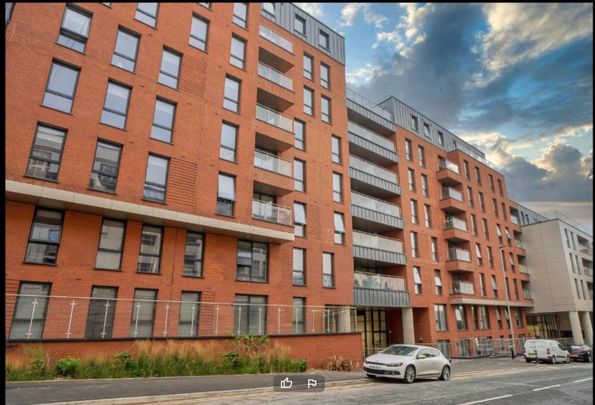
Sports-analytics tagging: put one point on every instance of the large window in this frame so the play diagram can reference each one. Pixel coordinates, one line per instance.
(325, 108)
(299, 219)
(147, 13)
(61, 87)
(411, 179)
(298, 315)
(75, 28)
(226, 194)
(231, 97)
(417, 280)
(169, 73)
(461, 317)
(414, 250)
(143, 313)
(483, 317)
(299, 25)
(111, 244)
(189, 310)
(30, 311)
(163, 120)
(308, 62)
(156, 178)
(44, 239)
(324, 76)
(238, 52)
(437, 282)
(482, 285)
(440, 317)
(252, 264)
(339, 228)
(434, 243)
(199, 33)
(308, 101)
(428, 216)
(408, 153)
(421, 155)
(250, 315)
(495, 286)
(328, 270)
(227, 150)
(323, 40)
(299, 168)
(424, 185)
(240, 14)
(299, 131)
(100, 317)
(115, 108)
(193, 254)
(126, 50)
(337, 187)
(414, 217)
(150, 250)
(104, 173)
(46, 153)
(299, 271)
(336, 149)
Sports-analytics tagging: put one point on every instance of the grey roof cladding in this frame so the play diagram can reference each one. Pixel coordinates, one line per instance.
(285, 18)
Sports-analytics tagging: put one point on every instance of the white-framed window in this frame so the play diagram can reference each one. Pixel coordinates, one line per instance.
(339, 228)
(417, 280)
(299, 219)
(337, 187)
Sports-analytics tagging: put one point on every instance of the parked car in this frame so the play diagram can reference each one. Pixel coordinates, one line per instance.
(407, 362)
(580, 352)
(545, 350)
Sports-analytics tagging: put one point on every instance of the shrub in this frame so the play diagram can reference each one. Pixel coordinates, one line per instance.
(67, 367)
(39, 364)
(339, 363)
(251, 345)
(123, 360)
(232, 359)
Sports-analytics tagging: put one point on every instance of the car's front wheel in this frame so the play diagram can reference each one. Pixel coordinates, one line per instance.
(445, 375)
(568, 359)
(554, 360)
(409, 374)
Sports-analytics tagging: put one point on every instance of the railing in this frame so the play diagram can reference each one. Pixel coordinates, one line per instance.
(276, 38)
(586, 250)
(514, 219)
(378, 281)
(456, 223)
(371, 136)
(462, 287)
(372, 169)
(272, 163)
(270, 212)
(40, 317)
(459, 254)
(377, 242)
(588, 271)
(449, 192)
(523, 269)
(527, 294)
(364, 102)
(374, 204)
(448, 165)
(274, 76)
(518, 243)
(274, 118)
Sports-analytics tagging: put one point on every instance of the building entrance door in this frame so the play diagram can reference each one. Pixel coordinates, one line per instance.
(372, 323)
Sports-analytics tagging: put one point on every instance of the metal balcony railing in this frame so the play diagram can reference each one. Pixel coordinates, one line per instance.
(527, 294)
(459, 254)
(462, 287)
(514, 219)
(449, 192)
(375, 204)
(274, 76)
(378, 281)
(455, 223)
(523, 269)
(370, 136)
(275, 38)
(272, 163)
(274, 118)
(361, 100)
(448, 165)
(270, 212)
(518, 243)
(377, 242)
(588, 271)
(586, 250)
(372, 169)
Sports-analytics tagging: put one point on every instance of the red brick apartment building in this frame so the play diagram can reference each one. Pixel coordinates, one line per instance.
(199, 170)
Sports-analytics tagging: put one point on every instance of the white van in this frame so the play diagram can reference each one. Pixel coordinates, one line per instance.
(545, 350)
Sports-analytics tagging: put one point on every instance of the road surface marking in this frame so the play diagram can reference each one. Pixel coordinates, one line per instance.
(545, 388)
(584, 379)
(487, 399)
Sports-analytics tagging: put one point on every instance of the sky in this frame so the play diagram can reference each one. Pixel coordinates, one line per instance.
(515, 80)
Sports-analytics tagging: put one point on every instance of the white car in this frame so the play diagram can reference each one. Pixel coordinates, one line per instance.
(545, 350)
(407, 362)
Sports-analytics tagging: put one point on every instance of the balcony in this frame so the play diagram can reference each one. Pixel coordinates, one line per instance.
(455, 230)
(372, 249)
(269, 212)
(273, 129)
(527, 295)
(448, 173)
(275, 178)
(520, 248)
(276, 39)
(459, 260)
(368, 114)
(274, 118)
(369, 178)
(523, 269)
(452, 201)
(588, 271)
(586, 250)
(462, 287)
(379, 290)
(273, 75)
(370, 146)
(272, 163)
(373, 215)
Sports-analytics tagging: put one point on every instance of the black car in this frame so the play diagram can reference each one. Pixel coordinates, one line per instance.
(580, 352)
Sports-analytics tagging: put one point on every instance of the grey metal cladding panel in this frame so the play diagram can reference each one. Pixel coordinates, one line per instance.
(377, 255)
(376, 216)
(380, 298)
(363, 111)
(285, 18)
(372, 147)
(374, 181)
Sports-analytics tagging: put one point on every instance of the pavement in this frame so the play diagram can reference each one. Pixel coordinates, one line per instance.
(472, 380)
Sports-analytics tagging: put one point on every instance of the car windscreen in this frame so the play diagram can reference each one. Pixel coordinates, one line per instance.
(399, 350)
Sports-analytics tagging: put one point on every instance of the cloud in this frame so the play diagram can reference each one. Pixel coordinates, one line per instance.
(364, 74)
(350, 12)
(314, 9)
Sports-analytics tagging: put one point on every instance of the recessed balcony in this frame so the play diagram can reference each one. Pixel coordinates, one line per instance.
(373, 215)
(455, 230)
(373, 249)
(371, 179)
(275, 176)
(273, 37)
(371, 146)
(276, 85)
(276, 127)
(462, 287)
(448, 173)
(270, 212)
(459, 260)
(368, 114)
(452, 201)
(379, 290)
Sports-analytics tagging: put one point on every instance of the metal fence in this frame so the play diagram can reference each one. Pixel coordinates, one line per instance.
(42, 317)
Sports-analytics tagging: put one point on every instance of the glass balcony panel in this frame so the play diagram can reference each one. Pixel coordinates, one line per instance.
(274, 118)
(372, 169)
(274, 76)
(378, 281)
(272, 163)
(374, 204)
(377, 242)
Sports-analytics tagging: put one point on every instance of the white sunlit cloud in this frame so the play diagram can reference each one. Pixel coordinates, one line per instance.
(314, 9)
(364, 74)
(408, 33)
(350, 12)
